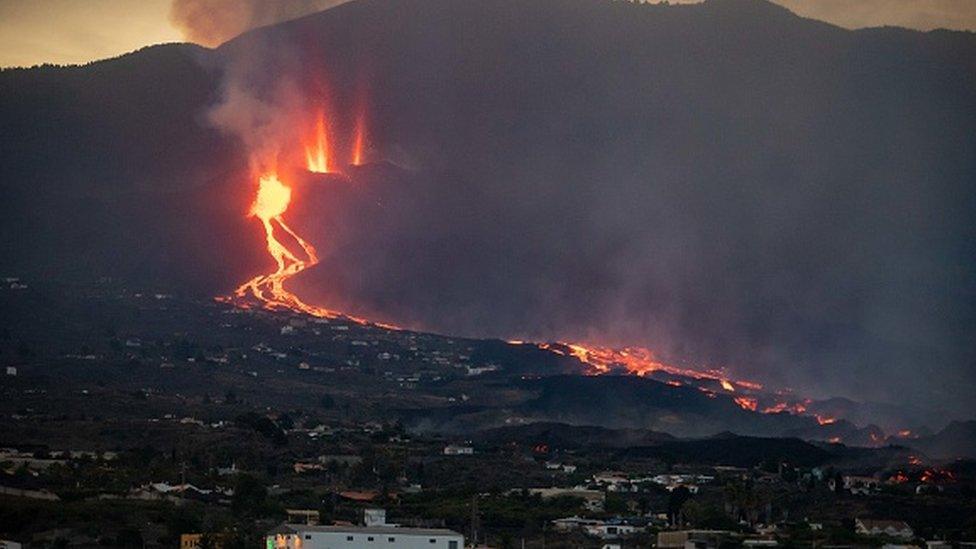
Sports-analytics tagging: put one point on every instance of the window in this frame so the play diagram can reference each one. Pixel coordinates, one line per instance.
(348, 538)
(432, 540)
(391, 540)
(308, 536)
(452, 545)
(370, 538)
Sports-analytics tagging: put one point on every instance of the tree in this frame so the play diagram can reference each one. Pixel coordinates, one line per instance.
(250, 496)
(676, 500)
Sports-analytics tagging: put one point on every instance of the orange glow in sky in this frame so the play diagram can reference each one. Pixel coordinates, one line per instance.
(79, 31)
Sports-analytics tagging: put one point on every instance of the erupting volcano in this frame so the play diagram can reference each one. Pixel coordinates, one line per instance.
(292, 253)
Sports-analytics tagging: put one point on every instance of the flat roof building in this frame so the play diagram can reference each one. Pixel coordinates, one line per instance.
(302, 536)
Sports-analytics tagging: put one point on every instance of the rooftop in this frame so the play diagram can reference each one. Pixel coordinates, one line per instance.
(382, 530)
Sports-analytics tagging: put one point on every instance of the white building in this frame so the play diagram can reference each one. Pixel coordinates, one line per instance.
(300, 536)
(375, 517)
(455, 450)
(605, 530)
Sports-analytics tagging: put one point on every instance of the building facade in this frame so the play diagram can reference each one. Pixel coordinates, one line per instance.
(300, 536)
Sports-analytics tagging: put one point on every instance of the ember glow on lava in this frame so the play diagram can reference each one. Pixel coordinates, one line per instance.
(639, 361)
(747, 403)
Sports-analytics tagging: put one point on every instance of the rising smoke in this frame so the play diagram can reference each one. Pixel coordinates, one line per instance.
(213, 22)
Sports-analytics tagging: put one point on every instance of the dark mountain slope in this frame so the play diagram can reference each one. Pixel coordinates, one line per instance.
(723, 182)
(958, 439)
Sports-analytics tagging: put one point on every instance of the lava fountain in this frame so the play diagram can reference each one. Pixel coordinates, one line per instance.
(317, 153)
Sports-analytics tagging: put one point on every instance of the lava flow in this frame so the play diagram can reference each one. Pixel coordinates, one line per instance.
(269, 205)
(640, 361)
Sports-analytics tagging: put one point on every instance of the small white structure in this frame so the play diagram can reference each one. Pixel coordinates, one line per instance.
(607, 530)
(374, 517)
(455, 450)
(11, 370)
(300, 536)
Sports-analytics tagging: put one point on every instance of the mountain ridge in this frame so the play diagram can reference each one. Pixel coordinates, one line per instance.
(757, 199)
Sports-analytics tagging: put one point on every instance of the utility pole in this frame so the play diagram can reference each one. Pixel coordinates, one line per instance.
(474, 520)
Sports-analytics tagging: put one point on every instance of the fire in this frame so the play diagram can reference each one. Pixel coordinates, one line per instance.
(747, 403)
(272, 199)
(317, 153)
(898, 478)
(360, 141)
(637, 361)
(822, 420)
(797, 408)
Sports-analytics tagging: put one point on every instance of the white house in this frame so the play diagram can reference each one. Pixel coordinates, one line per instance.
(300, 536)
(605, 530)
(455, 450)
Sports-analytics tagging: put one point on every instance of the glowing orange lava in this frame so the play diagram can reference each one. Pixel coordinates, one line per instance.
(317, 153)
(638, 361)
(269, 205)
(747, 403)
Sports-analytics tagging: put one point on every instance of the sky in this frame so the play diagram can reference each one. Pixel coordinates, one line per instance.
(79, 31)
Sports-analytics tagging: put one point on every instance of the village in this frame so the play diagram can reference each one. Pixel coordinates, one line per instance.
(129, 432)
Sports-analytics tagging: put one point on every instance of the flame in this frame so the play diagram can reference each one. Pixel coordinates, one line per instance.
(727, 385)
(272, 199)
(822, 420)
(797, 408)
(898, 478)
(360, 141)
(747, 403)
(317, 153)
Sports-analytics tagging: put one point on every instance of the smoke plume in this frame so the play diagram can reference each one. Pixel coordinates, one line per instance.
(213, 22)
